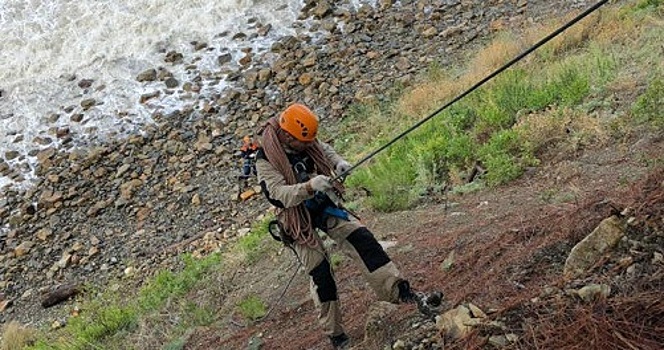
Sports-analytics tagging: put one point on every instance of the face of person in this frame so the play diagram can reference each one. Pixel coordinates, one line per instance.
(295, 144)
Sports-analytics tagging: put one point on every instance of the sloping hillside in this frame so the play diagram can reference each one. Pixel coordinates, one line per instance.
(485, 203)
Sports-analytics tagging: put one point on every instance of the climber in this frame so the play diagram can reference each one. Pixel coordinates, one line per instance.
(294, 171)
(248, 153)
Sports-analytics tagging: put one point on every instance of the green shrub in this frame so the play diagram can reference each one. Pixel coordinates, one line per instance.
(252, 308)
(390, 178)
(104, 322)
(643, 4)
(505, 156)
(167, 284)
(252, 244)
(198, 315)
(648, 107)
(336, 259)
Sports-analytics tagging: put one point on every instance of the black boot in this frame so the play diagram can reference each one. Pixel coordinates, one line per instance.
(427, 304)
(340, 341)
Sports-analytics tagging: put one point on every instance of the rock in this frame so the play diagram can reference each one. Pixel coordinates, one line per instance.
(455, 323)
(171, 83)
(147, 75)
(88, 103)
(305, 79)
(173, 57)
(76, 118)
(96, 208)
(250, 78)
(44, 233)
(587, 252)
(45, 154)
(247, 194)
(239, 36)
(199, 45)
(59, 295)
(399, 345)
(264, 74)
(476, 311)
(64, 260)
(447, 264)
(593, 292)
(150, 95)
(9, 155)
(498, 341)
(243, 232)
(62, 133)
(322, 9)
(225, 58)
(23, 248)
(129, 271)
(255, 343)
(5, 304)
(452, 31)
(246, 60)
(85, 83)
(93, 251)
(403, 64)
(386, 4)
(163, 74)
(430, 32)
(264, 30)
(122, 169)
(310, 60)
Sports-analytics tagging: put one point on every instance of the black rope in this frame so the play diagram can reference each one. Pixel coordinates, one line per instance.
(477, 85)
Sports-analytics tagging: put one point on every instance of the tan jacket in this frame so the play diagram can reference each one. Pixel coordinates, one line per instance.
(274, 184)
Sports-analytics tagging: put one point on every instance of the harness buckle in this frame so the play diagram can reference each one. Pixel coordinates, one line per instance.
(301, 172)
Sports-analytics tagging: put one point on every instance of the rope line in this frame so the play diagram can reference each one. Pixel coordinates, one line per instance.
(477, 85)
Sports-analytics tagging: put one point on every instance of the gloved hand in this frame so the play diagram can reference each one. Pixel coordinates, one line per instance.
(342, 167)
(320, 183)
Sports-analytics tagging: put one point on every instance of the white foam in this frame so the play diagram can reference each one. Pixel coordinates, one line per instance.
(110, 41)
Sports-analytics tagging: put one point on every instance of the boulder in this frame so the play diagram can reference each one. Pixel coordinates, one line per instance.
(587, 252)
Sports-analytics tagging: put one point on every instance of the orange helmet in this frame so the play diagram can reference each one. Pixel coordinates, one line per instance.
(300, 122)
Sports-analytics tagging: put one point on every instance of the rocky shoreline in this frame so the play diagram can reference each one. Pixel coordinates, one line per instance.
(127, 208)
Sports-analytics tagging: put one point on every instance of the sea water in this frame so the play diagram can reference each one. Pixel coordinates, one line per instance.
(48, 46)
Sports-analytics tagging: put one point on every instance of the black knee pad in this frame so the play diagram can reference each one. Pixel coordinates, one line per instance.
(326, 288)
(371, 252)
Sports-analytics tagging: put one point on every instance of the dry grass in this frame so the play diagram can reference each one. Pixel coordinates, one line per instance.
(494, 55)
(16, 337)
(624, 322)
(561, 128)
(573, 37)
(429, 95)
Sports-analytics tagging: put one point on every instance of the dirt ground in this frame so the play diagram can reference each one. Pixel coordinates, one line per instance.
(509, 244)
